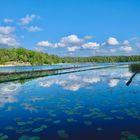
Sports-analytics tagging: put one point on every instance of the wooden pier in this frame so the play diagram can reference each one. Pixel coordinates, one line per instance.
(23, 75)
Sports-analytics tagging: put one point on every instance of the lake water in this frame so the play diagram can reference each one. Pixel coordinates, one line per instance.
(45, 67)
(88, 105)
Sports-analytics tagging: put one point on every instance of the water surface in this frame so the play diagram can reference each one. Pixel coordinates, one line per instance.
(86, 105)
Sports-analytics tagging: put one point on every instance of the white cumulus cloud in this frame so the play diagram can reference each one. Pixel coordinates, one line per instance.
(112, 50)
(73, 48)
(72, 43)
(6, 29)
(28, 18)
(91, 45)
(126, 48)
(8, 20)
(112, 41)
(88, 37)
(44, 44)
(34, 29)
(71, 39)
(8, 40)
(126, 42)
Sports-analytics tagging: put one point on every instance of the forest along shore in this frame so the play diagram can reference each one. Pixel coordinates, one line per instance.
(22, 57)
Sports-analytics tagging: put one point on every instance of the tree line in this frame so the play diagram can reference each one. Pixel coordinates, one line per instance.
(23, 55)
(102, 59)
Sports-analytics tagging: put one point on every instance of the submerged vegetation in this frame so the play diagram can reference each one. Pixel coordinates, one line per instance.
(24, 56)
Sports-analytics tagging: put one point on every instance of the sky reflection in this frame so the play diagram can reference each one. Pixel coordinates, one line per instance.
(95, 102)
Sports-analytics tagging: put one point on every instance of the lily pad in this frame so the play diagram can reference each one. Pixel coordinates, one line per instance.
(108, 118)
(71, 120)
(21, 123)
(99, 129)
(4, 137)
(62, 134)
(1, 134)
(29, 138)
(56, 122)
(88, 123)
(129, 135)
(37, 130)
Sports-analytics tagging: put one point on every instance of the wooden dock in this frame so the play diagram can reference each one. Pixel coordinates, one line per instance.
(23, 75)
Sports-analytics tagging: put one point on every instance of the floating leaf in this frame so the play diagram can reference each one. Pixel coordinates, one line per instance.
(88, 123)
(56, 122)
(99, 129)
(71, 120)
(4, 137)
(62, 134)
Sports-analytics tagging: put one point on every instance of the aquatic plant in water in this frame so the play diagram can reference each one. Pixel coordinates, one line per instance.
(39, 129)
(99, 129)
(24, 137)
(71, 120)
(87, 122)
(129, 136)
(3, 137)
(57, 121)
(62, 134)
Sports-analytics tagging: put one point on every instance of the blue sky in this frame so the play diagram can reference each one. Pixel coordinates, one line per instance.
(72, 27)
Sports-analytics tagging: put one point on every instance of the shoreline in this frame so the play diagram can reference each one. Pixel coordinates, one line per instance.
(24, 65)
(13, 65)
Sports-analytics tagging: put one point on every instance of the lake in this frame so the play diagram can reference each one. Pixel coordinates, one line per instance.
(88, 105)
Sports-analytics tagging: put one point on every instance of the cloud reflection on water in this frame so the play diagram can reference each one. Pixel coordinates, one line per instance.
(76, 81)
(8, 93)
